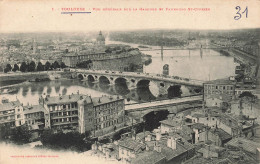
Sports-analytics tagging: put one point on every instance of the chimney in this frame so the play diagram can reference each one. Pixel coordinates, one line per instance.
(78, 92)
(146, 148)
(148, 137)
(158, 136)
(81, 97)
(169, 142)
(69, 96)
(174, 143)
(158, 148)
(99, 100)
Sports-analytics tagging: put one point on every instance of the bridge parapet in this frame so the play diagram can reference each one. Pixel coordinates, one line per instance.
(148, 76)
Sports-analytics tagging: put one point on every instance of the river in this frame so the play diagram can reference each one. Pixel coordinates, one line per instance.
(208, 66)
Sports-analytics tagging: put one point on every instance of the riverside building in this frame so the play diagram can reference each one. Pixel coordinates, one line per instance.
(99, 115)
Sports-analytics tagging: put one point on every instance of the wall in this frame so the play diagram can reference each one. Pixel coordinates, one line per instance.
(118, 64)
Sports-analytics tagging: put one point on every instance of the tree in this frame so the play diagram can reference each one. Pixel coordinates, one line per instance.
(23, 67)
(246, 94)
(8, 67)
(16, 68)
(62, 65)
(31, 66)
(47, 66)
(21, 135)
(5, 132)
(40, 67)
(56, 65)
(84, 64)
(71, 140)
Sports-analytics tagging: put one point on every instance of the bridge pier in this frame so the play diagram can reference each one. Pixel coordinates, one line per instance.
(163, 87)
(131, 83)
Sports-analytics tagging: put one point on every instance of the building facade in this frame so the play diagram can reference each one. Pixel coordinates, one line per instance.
(99, 115)
(215, 87)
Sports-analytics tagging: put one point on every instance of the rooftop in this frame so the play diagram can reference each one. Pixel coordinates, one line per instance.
(247, 145)
(131, 144)
(65, 99)
(221, 133)
(33, 109)
(220, 81)
(10, 105)
(150, 157)
(106, 99)
(170, 122)
(198, 126)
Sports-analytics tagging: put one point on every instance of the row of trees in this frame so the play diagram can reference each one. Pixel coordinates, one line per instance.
(63, 141)
(31, 67)
(18, 135)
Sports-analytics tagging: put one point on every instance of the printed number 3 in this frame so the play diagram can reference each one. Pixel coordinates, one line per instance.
(238, 13)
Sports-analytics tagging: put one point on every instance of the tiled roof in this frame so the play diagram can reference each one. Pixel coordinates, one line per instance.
(65, 99)
(220, 81)
(198, 115)
(247, 145)
(33, 109)
(221, 133)
(9, 106)
(151, 157)
(131, 144)
(105, 99)
(170, 122)
(198, 126)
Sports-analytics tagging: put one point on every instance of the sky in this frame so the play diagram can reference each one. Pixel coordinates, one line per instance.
(45, 16)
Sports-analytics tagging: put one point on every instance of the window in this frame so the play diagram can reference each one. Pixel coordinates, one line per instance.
(18, 116)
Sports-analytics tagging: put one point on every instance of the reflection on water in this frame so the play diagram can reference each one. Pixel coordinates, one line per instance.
(208, 65)
(31, 92)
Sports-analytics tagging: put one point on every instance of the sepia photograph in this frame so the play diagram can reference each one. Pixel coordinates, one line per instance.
(130, 82)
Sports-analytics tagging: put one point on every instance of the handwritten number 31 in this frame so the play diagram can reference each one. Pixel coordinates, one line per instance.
(239, 15)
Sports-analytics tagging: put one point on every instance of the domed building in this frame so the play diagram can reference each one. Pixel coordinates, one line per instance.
(100, 39)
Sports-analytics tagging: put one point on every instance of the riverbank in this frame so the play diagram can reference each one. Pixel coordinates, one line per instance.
(9, 79)
(15, 85)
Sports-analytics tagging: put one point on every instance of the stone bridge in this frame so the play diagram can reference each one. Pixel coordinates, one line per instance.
(139, 110)
(134, 79)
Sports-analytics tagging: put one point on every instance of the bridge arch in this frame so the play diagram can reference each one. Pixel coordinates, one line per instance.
(143, 83)
(121, 86)
(80, 76)
(91, 78)
(104, 80)
(174, 91)
(152, 118)
(121, 80)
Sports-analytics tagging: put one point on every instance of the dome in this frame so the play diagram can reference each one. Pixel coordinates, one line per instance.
(100, 37)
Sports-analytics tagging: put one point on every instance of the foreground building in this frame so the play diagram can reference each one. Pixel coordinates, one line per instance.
(99, 115)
